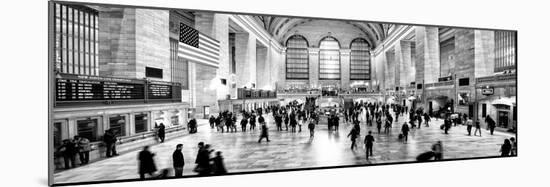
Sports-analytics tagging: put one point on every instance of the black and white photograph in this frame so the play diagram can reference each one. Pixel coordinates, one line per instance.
(274, 93)
(150, 93)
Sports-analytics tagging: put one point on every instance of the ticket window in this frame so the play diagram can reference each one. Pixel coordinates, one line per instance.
(60, 132)
(118, 125)
(140, 122)
(88, 128)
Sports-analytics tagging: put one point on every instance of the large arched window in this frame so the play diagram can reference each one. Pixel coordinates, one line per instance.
(297, 58)
(329, 59)
(359, 60)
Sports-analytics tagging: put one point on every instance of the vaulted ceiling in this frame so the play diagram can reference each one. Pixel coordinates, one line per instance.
(279, 26)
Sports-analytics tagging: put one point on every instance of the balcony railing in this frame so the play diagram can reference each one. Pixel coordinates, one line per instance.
(497, 78)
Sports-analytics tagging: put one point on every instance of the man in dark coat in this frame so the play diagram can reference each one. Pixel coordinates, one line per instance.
(178, 160)
(252, 122)
(244, 121)
(369, 142)
(264, 133)
(202, 160)
(68, 151)
(491, 124)
(161, 132)
(405, 131)
(212, 120)
(146, 163)
(109, 138)
(279, 122)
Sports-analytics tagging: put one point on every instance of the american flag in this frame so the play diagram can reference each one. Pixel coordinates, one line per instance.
(198, 47)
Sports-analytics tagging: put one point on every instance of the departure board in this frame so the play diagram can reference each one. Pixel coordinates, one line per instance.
(159, 91)
(78, 88)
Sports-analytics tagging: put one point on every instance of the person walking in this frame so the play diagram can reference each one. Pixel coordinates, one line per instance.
(202, 160)
(212, 121)
(478, 129)
(387, 126)
(244, 121)
(218, 166)
(109, 138)
(146, 163)
(447, 125)
(469, 125)
(491, 124)
(353, 137)
(427, 119)
(311, 127)
(264, 133)
(369, 142)
(293, 123)
(178, 160)
(162, 132)
(506, 148)
(437, 149)
(287, 120)
(378, 124)
(83, 146)
(405, 131)
(252, 122)
(279, 122)
(68, 151)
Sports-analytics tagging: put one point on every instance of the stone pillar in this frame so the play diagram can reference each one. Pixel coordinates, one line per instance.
(209, 88)
(398, 64)
(313, 66)
(390, 69)
(262, 71)
(245, 55)
(484, 53)
(345, 68)
(405, 67)
(117, 44)
(153, 42)
(427, 58)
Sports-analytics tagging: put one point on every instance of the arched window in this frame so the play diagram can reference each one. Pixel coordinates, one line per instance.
(329, 59)
(297, 58)
(359, 60)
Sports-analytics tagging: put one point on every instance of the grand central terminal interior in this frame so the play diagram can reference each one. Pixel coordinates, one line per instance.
(126, 78)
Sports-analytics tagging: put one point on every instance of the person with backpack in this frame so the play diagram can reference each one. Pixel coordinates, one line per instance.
(491, 124)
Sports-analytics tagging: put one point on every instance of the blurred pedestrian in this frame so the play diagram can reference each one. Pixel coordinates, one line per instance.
(146, 163)
(218, 165)
(506, 148)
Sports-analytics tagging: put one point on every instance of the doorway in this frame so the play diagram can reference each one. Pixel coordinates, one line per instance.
(503, 117)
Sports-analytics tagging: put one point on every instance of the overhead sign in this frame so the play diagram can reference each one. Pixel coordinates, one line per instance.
(487, 91)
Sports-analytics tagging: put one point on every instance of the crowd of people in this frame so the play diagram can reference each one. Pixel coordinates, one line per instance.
(291, 118)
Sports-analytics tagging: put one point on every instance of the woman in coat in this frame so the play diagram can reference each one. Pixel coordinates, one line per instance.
(506, 148)
(146, 163)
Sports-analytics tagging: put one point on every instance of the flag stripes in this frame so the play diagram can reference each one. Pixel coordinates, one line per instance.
(198, 47)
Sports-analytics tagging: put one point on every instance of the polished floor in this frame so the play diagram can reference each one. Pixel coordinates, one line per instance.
(287, 150)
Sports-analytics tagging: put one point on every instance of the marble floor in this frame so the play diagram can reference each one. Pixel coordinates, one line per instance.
(287, 150)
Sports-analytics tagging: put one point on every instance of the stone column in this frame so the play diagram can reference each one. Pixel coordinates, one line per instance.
(405, 67)
(262, 67)
(344, 68)
(427, 58)
(313, 66)
(245, 56)
(484, 53)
